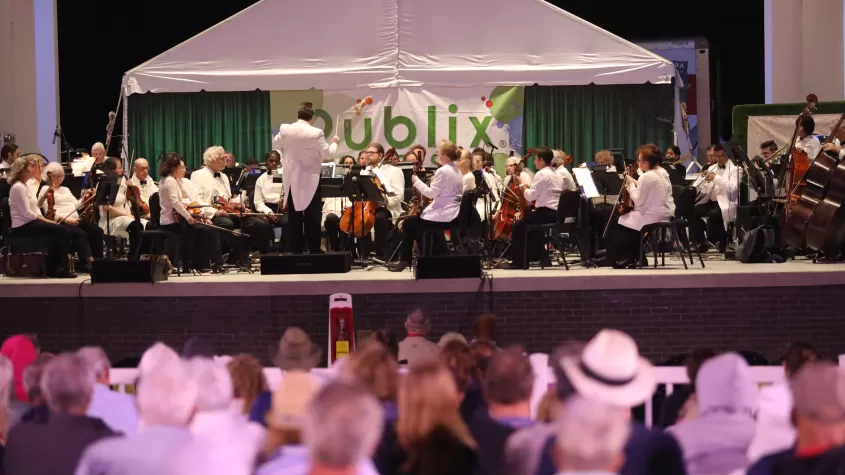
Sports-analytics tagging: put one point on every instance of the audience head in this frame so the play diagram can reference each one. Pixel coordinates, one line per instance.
(563, 387)
(9, 153)
(342, 426)
(32, 378)
(167, 395)
(374, 367)
(285, 418)
(798, 354)
(486, 327)
(591, 437)
(67, 383)
(157, 356)
(509, 379)
(213, 383)
(388, 340)
(611, 370)
(248, 379)
(98, 361)
(693, 363)
(724, 381)
(197, 346)
(22, 350)
(297, 351)
(818, 394)
(417, 322)
(428, 399)
(549, 407)
(458, 357)
(482, 350)
(451, 336)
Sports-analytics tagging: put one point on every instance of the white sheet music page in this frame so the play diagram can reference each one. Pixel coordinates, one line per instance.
(585, 181)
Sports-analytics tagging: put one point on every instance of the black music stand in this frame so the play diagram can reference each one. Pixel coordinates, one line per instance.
(358, 188)
(608, 183)
(106, 195)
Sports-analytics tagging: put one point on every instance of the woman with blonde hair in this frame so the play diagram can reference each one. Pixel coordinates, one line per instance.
(431, 433)
(27, 220)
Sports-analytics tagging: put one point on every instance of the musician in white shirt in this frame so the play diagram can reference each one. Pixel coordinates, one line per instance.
(333, 209)
(304, 149)
(720, 204)
(806, 140)
(267, 195)
(199, 245)
(394, 181)
(544, 191)
(86, 238)
(141, 179)
(27, 220)
(213, 187)
(514, 165)
(835, 145)
(94, 164)
(117, 219)
(446, 190)
(8, 154)
(483, 162)
(648, 195)
(559, 165)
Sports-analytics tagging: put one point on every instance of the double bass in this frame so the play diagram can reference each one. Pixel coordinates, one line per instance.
(513, 204)
(358, 220)
(799, 164)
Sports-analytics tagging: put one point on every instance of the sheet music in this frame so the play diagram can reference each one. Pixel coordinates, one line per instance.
(387, 188)
(585, 181)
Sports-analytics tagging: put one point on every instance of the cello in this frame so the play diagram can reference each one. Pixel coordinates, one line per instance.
(513, 203)
(799, 162)
(823, 232)
(364, 212)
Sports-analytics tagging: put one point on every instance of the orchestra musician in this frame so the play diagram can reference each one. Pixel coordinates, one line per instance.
(303, 148)
(393, 181)
(514, 166)
(544, 191)
(333, 210)
(362, 158)
(200, 245)
(648, 195)
(86, 238)
(720, 204)
(806, 141)
(267, 196)
(27, 221)
(94, 164)
(445, 191)
(602, 161)
(602, 210)
(418, 149)
(835, 145)
(483, 161)
(141, 179)
(230, 160)
(410, 157)
(767, 149)
(464, 164)
(210, 184)
(117, 219)
(559, 166)
(8, 154)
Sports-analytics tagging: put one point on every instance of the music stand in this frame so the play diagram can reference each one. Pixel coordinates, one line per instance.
(106, 195)
(608, 183)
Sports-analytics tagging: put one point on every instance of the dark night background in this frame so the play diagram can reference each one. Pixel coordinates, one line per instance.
(100, 40)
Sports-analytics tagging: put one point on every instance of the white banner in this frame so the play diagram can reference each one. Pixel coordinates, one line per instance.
(401, 118)
(780, 129)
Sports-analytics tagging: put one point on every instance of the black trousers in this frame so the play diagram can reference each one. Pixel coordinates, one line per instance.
(95, 238)
(59, 240)
(534, 243)
(259, 231)
(332, 225)
(623, 245)
(382, 228)
(412, 231)
(715, 224)
(199, 245)
(79, 242)
(307, 221)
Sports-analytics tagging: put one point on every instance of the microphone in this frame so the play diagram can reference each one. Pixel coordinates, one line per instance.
(56, 133)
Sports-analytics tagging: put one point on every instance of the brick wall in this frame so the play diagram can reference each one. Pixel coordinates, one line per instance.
(665, 322)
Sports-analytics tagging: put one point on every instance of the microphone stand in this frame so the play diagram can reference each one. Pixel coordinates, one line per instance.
(65, 145)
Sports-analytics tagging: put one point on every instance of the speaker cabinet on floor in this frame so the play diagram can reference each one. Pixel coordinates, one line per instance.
(109, 271)
(328, 263)
(448, 267)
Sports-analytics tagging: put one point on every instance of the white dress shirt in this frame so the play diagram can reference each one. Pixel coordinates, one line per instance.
(725, 189)
(65, 203)
(446, 190)
(23, 205)
(267, 192)
(172, 196)
(468, 181)
(670, 199)
(809, 144)
(208, 187)
(545, 191)
(841, 150)
(568, 181)
(118, 225)
(304, 148)
(649, 197)
(147, 189)
(394, 180)
(524, 178)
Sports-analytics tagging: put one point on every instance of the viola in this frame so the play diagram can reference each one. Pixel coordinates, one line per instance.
(625, 204)
(359, 219)
(51, 204)
(139, 208)
(513, 206)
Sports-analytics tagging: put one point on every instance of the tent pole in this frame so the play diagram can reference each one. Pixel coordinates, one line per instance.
(125, 141)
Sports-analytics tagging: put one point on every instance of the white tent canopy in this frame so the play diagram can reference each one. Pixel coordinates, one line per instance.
(338, 45)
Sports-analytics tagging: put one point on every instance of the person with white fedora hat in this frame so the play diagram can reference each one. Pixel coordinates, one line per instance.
(610, 370)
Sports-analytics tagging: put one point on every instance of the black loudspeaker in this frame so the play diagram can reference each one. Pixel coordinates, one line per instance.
(448, 267)
(328, 263)
(109, 271)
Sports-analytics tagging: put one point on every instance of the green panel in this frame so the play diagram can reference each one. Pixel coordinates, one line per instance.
(581, 120)
(188, 123)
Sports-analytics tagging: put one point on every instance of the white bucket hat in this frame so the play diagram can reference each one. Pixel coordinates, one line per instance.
(611, 370)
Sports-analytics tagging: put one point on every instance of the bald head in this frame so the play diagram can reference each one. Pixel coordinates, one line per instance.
(142, 169)
(417, 322)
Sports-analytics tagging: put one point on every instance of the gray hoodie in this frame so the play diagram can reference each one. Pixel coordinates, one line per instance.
(716, 442)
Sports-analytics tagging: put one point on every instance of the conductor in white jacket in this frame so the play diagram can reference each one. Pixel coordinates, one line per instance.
(304, 148)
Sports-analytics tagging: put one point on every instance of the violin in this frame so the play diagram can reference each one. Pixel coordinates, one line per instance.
(139, 208)
(359, 219)
(51, 204)
(86, 213)
(624, 203)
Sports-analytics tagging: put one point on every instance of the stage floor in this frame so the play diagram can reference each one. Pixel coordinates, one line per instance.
(716, 274)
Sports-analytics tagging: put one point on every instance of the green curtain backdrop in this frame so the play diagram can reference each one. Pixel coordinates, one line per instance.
(581, 120)
(189, 123)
